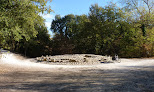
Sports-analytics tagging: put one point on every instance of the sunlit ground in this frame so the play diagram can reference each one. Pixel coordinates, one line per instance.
(131, 75)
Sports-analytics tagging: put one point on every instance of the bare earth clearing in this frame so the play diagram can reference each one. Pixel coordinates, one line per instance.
(131, 75)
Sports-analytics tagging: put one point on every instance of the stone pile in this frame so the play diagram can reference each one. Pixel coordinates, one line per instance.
(75, 59)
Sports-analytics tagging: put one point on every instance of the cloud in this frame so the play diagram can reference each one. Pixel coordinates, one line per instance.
(48, 24)
(47, 16)
(48, 19)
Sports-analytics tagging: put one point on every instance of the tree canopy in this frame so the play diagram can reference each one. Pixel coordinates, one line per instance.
(107, 30)
(18, 21)
(127, 31)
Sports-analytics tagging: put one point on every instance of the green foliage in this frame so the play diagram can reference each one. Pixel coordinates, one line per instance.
(62, 27)
(140, 14)
(18, 19)
(105, 30)
(41, 44)
(36, 46)
(108, 30)
(22, 29)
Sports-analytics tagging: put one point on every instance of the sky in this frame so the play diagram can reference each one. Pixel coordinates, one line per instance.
(76, 7)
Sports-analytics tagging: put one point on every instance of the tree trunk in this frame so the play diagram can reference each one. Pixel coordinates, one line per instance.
(143, 30)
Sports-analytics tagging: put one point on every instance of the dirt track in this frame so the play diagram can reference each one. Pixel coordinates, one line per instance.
(135, 75)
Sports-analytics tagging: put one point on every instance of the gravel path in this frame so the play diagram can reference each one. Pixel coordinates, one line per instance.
(131, 75)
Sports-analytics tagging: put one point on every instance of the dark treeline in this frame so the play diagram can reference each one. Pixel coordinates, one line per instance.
(108, 30)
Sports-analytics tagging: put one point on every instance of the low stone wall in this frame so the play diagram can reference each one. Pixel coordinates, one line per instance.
(75, 59)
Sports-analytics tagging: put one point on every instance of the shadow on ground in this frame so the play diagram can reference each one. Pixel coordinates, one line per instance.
(135, 79)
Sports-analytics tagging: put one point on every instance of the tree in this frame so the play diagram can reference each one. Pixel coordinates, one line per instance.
(62, 28)
(106, 30)
(82, 35)
(40, 45)
(141, 15)
(105, 22)
(18, 19)
(61, 24)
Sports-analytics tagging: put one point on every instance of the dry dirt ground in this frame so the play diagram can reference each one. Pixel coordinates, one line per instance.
(131, 75)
